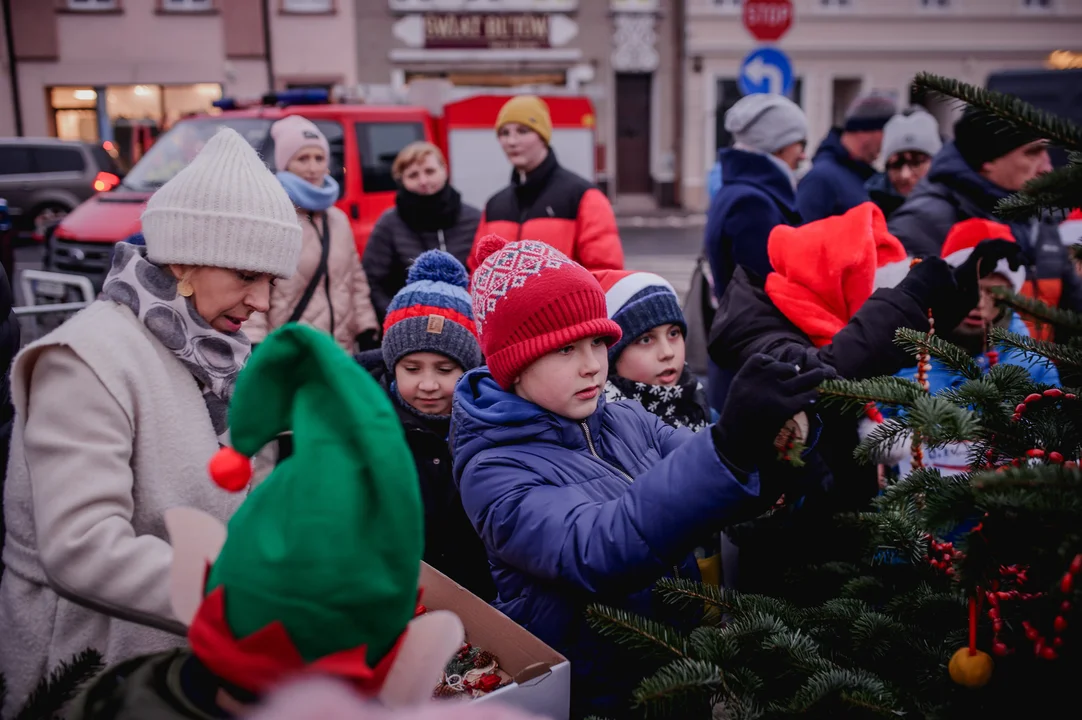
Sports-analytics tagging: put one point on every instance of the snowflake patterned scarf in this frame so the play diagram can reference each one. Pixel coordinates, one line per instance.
(214, 358)
(680, 405)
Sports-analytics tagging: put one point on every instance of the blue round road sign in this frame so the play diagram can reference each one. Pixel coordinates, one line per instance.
(766, 70)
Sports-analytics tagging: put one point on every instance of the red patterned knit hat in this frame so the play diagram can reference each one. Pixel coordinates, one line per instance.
(530, 299)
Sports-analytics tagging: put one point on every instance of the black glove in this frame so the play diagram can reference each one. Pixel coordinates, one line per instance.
(951, 293)
(793, 354)
(763, 395)
(368, 340)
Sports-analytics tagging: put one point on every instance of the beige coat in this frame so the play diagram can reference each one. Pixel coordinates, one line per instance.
(353, 313)
(110, 430)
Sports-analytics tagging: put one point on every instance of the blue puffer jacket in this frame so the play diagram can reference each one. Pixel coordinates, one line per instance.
(573, 513)
(835, 183)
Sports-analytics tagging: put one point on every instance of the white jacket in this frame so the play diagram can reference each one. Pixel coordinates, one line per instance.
(110, 430)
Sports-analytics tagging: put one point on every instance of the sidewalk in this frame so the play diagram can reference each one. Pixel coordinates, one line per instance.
(662, 219)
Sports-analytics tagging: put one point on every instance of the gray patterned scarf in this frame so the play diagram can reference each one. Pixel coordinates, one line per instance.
(214, 358)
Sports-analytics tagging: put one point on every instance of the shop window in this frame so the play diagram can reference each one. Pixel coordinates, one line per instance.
(58, 160)
(728, 92)
(15, 160)
(307, 6)
(935, 4)
(379, 144)
(1038, 4)
(187, 5)
(93, 5)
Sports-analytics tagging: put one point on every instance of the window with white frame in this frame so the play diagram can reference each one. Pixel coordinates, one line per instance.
(92, 5)
(935, 4)
(835, 4)
(308, 6)
(727, 4)
(1038, 4)
(187, 5)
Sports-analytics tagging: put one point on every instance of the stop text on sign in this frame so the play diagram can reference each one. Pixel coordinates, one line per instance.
(768, 19)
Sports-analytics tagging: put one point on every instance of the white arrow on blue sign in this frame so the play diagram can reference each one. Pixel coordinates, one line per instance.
(766, 70)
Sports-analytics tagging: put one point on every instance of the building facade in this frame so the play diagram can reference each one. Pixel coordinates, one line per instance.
(619, 53)
(124, 70)
(840, 48)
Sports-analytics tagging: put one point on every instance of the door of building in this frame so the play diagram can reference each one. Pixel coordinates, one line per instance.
(633, 133)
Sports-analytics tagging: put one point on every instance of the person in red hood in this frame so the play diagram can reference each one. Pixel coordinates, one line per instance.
(840, 289)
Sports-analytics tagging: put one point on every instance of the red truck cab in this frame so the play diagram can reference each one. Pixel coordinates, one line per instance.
(364, 141)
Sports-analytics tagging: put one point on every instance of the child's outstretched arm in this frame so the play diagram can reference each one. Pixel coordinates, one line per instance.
(564, 533)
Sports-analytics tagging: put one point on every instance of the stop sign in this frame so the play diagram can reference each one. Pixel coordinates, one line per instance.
(768, 19)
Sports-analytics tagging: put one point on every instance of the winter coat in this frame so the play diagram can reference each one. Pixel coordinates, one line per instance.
(747, 322)
(451, 544)
(347, 295)
(952, 191)
(757, 197)
(954, 458)
(835, 183)
(574, 513)
(882, 193)
(393, 246)
(556, 206)
(10, 339)
(110, 431)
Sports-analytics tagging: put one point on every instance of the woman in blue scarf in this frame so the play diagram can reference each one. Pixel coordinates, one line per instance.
(329, 290)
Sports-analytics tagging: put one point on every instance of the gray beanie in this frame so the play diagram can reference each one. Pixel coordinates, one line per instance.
(766, 122)
(226, 210)
(912, 130)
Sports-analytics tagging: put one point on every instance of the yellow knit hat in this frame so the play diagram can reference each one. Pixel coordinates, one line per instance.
(528, 110)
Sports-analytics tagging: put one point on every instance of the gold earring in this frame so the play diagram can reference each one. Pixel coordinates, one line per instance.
(184, 287)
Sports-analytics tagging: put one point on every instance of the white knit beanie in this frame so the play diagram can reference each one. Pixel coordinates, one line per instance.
(225, 209)
(766, 122)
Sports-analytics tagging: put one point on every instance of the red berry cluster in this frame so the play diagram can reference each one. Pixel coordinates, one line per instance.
(1050, 394)
(1043, 647)
(993, 358)
(942, 555)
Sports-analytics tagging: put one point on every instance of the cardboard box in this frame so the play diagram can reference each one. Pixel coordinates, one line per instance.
(542, 676)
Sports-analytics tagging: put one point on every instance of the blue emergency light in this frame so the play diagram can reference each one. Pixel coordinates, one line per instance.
(281, 98)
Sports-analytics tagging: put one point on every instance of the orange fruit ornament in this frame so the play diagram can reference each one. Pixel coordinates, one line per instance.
(971, 671)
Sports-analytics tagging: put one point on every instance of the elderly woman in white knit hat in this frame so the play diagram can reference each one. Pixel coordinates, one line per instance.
(910, 141)
(120, 409)
(330, 290)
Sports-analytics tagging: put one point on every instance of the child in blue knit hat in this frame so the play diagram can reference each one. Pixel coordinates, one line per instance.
(429, 341)
(648, 364)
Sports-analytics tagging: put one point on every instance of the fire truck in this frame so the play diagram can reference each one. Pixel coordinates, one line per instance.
(364, 140)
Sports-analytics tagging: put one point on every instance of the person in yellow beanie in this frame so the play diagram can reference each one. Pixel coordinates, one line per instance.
(545, 201)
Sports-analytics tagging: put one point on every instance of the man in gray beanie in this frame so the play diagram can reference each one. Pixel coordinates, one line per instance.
(910, 139)
(842, 164)
(758, 191)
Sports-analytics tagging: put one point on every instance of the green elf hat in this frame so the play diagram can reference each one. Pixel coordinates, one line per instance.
(320, 567)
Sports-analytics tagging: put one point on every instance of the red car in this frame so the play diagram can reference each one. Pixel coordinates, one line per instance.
(364, 142)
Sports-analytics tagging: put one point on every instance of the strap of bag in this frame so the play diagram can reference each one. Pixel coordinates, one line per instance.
(319, 274)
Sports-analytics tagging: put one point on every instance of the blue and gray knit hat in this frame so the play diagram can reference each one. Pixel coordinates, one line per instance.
(432, 313)
(638, 302)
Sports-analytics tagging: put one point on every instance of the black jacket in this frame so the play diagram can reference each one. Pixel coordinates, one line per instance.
(393, 246)
(747, 322)
(10, 340)
(951, 192)
(452, 546)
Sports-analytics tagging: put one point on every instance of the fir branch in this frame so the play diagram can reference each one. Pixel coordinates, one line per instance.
(1013, 381)
(875, 634)
(713, 645)
(1039, 311)
(636, 632)
(854, 395)
(800, 650)
(881, 440)
(62, 684)
(1041, 350)
(1051, 194)
(939, 422)
(981, 394)
(951, 356)
(681, 684)
(852, 687)
(683, 592)
(1059, 130)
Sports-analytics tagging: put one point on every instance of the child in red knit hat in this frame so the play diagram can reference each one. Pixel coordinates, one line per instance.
(578, 500)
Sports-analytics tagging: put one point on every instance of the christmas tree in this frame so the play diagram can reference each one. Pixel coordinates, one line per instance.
(954, 596)
(48, 699)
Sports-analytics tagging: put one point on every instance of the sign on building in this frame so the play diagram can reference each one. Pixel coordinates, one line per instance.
(486, 30)
(483, 6)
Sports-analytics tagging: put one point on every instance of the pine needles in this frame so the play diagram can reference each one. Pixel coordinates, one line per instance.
(54, 692)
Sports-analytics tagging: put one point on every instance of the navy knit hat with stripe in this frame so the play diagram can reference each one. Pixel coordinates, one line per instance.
(638, 302)
(432, 313)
